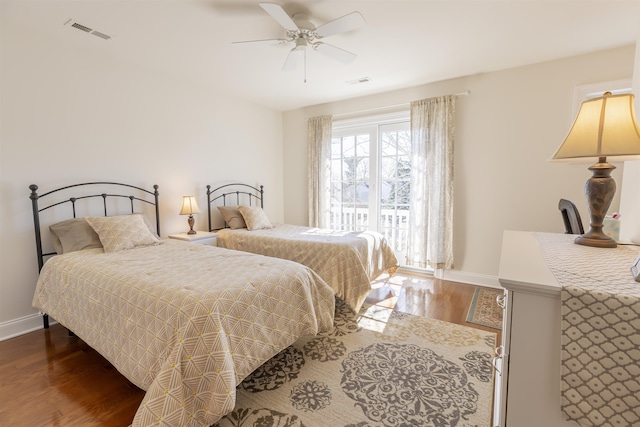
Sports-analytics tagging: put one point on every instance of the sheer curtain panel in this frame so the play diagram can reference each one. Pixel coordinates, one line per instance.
(318, 178)
(431, 223)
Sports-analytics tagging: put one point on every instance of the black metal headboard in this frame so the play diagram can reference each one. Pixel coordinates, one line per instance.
(238, 194)
(141, 193)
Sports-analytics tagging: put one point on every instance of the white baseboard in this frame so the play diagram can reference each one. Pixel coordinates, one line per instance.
(472, 278)
(21, 325)
(458, 276)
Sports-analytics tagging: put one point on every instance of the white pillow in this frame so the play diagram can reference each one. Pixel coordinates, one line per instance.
(122, 232)
(255, 217)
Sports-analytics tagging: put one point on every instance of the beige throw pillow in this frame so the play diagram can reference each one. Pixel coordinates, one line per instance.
(122, 232)
(255, 217)
(73, 235)
(232, 217)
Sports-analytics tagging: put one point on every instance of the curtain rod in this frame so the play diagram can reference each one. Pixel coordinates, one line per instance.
(388, 107)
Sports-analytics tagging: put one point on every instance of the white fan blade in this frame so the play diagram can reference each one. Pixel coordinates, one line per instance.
(265, 41)
(343, 24)
(295, 58)
(341, 55)
(278, 13)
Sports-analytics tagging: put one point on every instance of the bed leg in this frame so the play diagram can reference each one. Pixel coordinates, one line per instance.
(45, 320)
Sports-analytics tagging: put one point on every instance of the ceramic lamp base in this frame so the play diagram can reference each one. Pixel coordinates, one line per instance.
(191, 222)
(599, 190)
(603, 241)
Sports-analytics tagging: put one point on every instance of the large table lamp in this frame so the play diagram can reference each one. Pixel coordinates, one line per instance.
(189, 207)
(604, 127)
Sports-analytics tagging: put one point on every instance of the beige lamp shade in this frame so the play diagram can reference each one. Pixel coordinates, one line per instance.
(189, 206)
(604, 127)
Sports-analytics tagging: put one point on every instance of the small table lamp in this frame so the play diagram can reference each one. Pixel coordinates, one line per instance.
(604, 127)
(189, 207)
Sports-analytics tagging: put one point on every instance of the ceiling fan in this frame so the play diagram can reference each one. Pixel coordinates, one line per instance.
(304, 34)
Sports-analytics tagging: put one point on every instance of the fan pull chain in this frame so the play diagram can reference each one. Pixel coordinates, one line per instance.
(305, 65)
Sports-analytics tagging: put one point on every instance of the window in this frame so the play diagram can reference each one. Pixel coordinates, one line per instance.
(370, 170)
(395, 173)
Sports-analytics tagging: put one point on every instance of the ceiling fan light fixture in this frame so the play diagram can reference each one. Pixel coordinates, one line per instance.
(301, 43)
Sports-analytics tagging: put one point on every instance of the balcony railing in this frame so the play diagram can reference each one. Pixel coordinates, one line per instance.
(394, 224)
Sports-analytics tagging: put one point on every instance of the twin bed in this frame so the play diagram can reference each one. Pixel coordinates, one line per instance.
(187, 323)
(347, 260)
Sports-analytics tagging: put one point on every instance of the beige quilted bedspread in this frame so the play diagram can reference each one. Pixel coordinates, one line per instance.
(184, 322)
(347, 260)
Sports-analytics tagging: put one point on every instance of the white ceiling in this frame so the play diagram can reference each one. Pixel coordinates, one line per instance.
(403, 44)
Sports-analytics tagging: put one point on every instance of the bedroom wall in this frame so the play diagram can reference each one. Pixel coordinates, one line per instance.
(74, 114)
(506, 129)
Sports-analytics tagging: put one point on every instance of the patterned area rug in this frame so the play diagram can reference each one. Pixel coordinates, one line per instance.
(377, 368)
(484, 310)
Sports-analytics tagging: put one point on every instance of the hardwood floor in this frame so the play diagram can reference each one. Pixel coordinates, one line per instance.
(423, 295)
(51, 379)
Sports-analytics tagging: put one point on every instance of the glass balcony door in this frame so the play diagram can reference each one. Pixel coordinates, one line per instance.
(370, 169)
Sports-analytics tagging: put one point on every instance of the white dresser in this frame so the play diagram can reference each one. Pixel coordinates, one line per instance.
(527, 392)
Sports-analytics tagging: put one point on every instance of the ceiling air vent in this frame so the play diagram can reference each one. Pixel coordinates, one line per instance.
(81, 27)
(87, 30)
(101, 35)
(359, 81)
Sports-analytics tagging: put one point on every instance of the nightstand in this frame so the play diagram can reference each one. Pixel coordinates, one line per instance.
(200, 238)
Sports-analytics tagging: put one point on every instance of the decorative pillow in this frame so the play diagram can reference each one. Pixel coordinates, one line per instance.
(232, 217)
(73, 235)
(255, 217)
(122, 232)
